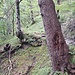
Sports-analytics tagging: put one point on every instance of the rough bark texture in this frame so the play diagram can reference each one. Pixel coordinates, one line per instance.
(56, 44)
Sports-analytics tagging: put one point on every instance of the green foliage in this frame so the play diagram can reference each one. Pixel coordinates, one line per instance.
(42, 71)
(9, 39)
(66, 10)
(72, 48)
(72, 53)
(26, 7)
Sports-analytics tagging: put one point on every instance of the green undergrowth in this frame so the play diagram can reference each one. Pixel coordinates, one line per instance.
(67, 10)
(8, 39)
(24, 58)
(72, 47)
(72, 52)
(37, 27)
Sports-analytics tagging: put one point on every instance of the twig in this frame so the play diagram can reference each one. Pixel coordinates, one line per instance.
(10, 63)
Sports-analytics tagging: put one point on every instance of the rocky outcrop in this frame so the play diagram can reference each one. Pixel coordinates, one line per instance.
(68, 30)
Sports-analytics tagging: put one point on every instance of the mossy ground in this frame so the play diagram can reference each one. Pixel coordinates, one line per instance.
(24, 58)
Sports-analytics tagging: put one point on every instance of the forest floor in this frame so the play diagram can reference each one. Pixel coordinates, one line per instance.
(28, 61)
(35, 60)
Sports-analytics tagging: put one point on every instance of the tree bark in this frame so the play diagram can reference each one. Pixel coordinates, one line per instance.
(57, 46)
(19, 32)
(18, 16)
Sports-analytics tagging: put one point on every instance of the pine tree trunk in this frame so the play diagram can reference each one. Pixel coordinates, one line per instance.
(57, 46)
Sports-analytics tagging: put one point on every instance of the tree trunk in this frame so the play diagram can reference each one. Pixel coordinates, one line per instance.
(18, 16)
(19, 32)
(31, 12)
(32, 17)
(57, 46)
(8, 20)
(9, 29)
(13, 20)
(58, 2)
(4, 29)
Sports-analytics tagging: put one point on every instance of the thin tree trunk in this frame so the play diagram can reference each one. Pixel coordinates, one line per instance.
(32, 17)
(8, 20)
(13, 21)
(58, 2)
(57, 46)
(3, 29)
(31, 12)
(18, 16)
(8, 30)
(58, 15)
(19, 32)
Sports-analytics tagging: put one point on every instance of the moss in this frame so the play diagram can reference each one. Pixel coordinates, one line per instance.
(25, 57)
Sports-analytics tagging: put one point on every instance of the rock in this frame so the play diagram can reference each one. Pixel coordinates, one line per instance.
(68, 30)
